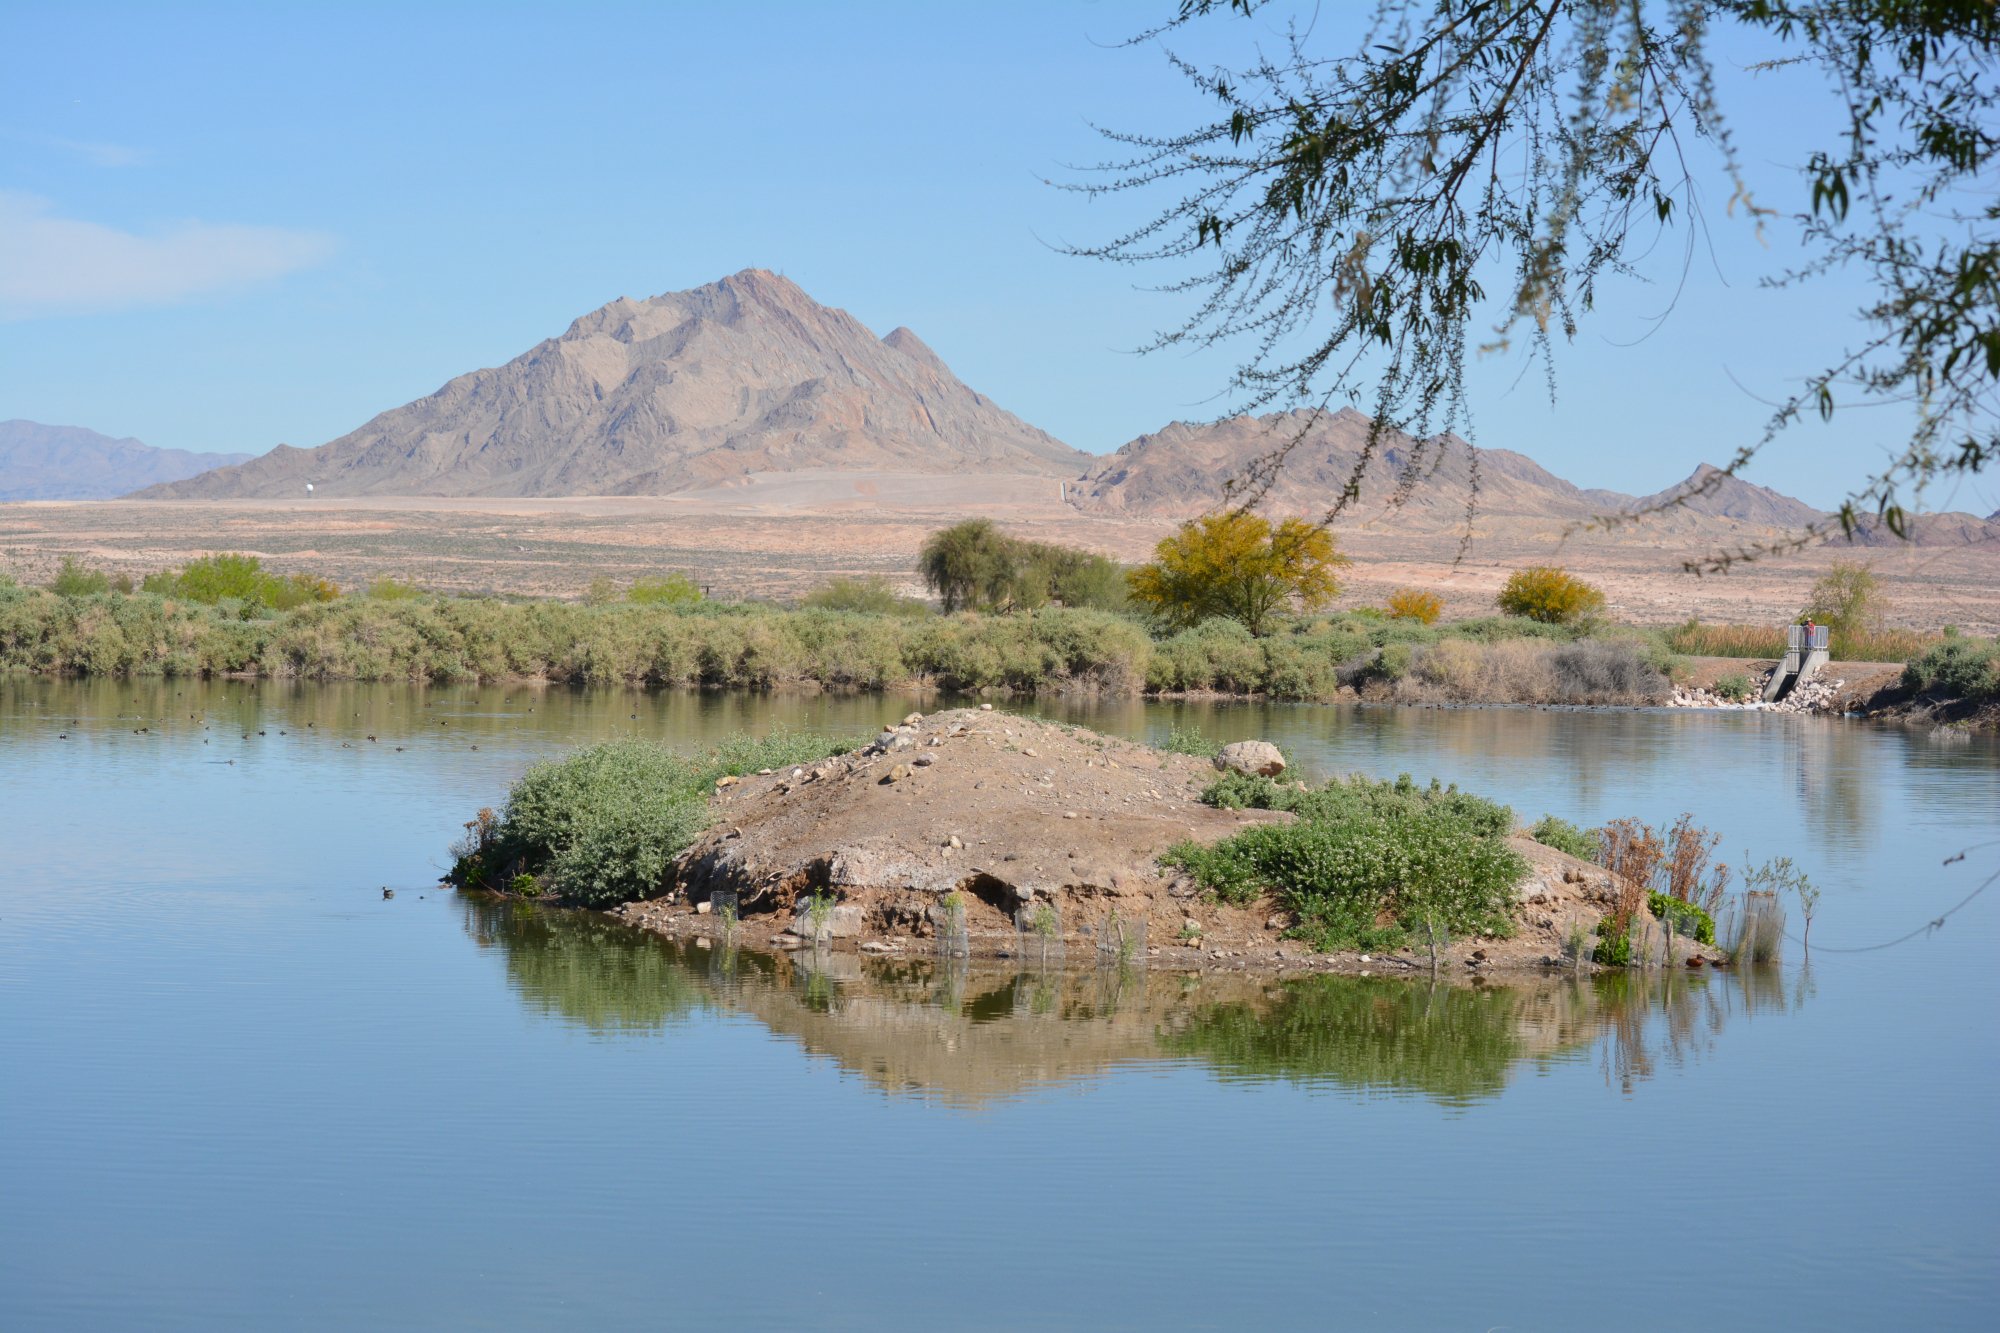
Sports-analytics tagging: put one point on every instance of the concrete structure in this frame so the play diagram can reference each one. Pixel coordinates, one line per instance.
(1803, 659)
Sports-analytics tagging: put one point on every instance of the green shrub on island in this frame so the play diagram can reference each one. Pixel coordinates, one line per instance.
(1566, 837)
(1190, 741)
(601, 826)
(1685, 918)
(1364, 862)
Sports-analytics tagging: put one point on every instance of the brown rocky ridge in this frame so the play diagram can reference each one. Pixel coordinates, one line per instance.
(1182, 470)
(744, 375)
(1047, 839)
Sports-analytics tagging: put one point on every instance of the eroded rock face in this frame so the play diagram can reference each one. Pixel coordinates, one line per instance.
(1257, 758)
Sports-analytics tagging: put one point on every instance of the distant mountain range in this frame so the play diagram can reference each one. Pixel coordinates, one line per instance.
(750, 377)
(40, 462)
(1182, 470)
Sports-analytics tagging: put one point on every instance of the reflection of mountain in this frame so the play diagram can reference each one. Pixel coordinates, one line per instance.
(973, 1036)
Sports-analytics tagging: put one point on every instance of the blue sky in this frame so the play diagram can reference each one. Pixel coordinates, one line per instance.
(269, 222)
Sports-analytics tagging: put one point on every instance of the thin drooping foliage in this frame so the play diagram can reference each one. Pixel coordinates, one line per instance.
(1344, 210)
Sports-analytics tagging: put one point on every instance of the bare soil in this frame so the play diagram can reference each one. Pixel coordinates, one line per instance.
(1032, 822)
(779, 537)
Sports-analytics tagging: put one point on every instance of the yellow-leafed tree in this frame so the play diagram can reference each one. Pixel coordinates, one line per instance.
(1237, 565)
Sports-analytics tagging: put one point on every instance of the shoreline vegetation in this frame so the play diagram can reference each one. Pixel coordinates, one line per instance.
(1191, 855)
(225, 617)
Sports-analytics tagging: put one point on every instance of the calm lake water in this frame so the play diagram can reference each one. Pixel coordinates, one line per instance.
(239, 1088)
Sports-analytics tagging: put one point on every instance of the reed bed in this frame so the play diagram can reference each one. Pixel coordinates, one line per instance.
(1695, 639)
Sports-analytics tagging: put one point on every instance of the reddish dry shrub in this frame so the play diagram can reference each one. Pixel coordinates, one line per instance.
(1689, 877)
(1632, 852)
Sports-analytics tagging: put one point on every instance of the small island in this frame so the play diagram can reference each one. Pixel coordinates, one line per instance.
(982, 833)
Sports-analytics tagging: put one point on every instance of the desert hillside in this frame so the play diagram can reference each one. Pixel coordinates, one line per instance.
(744, 375)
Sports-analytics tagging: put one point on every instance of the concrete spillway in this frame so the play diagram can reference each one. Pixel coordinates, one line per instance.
(1806, 651)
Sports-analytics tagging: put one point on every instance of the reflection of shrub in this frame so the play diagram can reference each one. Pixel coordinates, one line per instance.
(1415, 604)
(585, 967)
(1566, 837)
(1549, 595)
(1452, 1043)
(1364, 860)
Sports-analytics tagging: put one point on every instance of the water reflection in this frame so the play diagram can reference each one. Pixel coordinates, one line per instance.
(585, 967)
(971, 1034)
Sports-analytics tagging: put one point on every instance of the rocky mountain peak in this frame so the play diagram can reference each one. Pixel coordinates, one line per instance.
(681, 390)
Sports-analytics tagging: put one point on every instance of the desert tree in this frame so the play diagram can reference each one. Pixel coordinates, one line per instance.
(1240, 566)
(1342, 214)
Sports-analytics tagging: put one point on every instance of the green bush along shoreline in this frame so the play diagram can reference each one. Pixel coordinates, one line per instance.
(752, 646)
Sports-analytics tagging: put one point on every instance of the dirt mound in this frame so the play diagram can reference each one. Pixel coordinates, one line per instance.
(1039, 838)
(1010, 811)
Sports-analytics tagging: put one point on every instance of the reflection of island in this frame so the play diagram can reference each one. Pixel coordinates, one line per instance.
(972, 1035)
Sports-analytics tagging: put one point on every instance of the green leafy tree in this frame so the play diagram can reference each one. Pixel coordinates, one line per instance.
(969, 565)
(1345, 209)
(974, 566)
(1239, 566)
(1848, 600)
